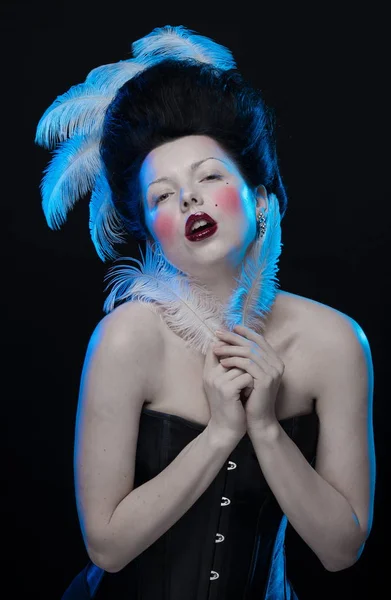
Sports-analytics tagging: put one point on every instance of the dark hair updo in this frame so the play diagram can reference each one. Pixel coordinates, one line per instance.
(176, 98)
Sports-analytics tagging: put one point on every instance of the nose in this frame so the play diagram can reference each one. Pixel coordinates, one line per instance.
(190, 199)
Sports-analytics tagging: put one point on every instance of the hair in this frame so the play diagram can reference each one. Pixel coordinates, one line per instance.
(177, 98)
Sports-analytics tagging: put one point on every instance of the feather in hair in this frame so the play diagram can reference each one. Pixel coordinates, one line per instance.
(256, 289)
(180, 43)
(109, 78)
(105, 225)
(80, 111)
(186, 306)
(70, 175)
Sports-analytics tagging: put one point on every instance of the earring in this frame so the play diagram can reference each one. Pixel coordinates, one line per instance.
(262, 223)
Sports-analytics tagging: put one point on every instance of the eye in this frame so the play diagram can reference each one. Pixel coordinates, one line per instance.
(161, 197)
(214, 175)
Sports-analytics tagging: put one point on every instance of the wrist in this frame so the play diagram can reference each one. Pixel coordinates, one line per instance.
(219, 438)
(267, 430)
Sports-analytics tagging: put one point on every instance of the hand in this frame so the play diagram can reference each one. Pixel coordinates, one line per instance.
(223, 388)
(250, 351)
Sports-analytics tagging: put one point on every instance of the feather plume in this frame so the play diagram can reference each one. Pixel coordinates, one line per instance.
(106, 227)
(186, 306)
(182, 302)
(80, 111)
(82, 108)
(256, 289)
(180, 43)
(109, 78)
(70, 175)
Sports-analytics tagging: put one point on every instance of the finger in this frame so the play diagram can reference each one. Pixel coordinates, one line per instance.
(241, 340)
(212, 361)
(250, 334)
(246, 352)
(232, 372)
(247, 335)
(254, 368)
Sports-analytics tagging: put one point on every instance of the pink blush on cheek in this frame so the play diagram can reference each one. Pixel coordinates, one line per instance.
(229, 199)
(164, 228)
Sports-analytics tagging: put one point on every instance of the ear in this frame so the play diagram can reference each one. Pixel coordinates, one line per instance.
(262, 198)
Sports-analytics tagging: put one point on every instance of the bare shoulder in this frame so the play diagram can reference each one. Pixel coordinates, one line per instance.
(130, 323)
(331, 338)
(118, 376)
(131, 334)
(319, 322)
(340, 373)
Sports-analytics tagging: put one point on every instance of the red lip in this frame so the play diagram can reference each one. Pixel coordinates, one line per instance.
(197, 217)
(198, 236)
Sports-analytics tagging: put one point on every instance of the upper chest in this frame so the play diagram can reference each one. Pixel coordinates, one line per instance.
(179, 385)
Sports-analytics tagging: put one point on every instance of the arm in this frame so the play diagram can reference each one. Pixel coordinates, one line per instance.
(117, 521)
(151, 509)
(331, 507)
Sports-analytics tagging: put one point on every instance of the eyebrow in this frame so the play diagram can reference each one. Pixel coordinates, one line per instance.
(193, 167)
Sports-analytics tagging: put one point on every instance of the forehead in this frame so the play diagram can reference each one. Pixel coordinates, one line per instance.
(177, 155)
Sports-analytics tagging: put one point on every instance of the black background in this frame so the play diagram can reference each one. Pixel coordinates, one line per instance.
(323, 70)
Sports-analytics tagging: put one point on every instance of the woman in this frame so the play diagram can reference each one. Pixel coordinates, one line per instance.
(191, 456)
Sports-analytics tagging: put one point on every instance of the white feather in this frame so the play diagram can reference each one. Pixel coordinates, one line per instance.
(80, 111)
(256, 290)
(180, 43)
(109, 78)
(70, 175)
(186, 306)
(105, 225)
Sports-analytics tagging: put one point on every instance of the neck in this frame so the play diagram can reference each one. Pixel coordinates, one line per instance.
(194, 307)
(223, 279)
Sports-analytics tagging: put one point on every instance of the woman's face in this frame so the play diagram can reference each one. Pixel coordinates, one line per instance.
(194, 175)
